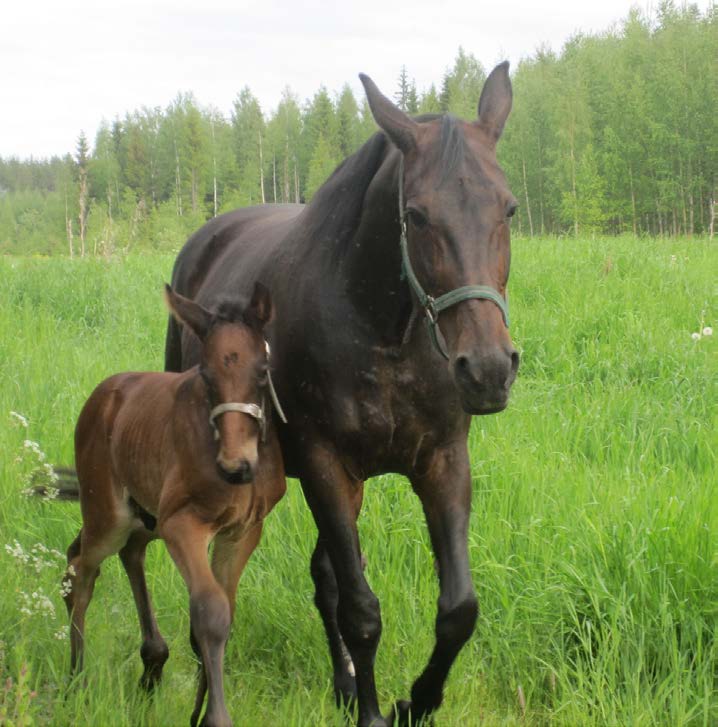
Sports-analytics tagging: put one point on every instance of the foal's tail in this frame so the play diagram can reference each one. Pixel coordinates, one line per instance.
(67, 486)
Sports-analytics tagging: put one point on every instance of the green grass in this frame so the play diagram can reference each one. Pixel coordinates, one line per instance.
(594, 538)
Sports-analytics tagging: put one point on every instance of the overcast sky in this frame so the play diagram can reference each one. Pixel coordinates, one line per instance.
(65, 66)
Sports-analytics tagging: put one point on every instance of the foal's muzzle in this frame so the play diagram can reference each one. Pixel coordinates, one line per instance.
(238, 472)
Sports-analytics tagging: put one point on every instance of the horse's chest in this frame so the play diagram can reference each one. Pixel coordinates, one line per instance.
(380, 418)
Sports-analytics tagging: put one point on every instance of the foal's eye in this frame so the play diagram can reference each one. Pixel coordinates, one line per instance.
(512, 209)
(417, 218)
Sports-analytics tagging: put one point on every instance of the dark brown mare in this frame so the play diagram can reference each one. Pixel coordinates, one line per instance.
(366, 391)
(148, 466)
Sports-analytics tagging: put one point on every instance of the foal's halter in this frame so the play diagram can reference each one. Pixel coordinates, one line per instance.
(433, 306)
(253, 410)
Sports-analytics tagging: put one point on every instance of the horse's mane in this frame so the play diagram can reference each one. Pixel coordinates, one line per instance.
(333, 215)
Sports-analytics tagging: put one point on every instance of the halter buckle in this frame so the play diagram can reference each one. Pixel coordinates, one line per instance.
(431, 312)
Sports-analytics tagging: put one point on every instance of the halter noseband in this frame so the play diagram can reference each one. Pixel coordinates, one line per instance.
(253, 410)
(433, 306)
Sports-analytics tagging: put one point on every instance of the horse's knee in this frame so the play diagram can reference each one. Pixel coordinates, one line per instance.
(210, 617)
(455, 622)
(360, 621)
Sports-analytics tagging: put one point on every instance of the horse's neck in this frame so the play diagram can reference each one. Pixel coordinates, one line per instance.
(371, 264)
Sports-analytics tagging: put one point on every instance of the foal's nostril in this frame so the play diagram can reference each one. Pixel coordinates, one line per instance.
(515, 358)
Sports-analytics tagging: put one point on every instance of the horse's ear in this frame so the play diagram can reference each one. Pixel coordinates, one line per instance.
(188, 313)
(496, 99)
(260, 309)
(399, 127)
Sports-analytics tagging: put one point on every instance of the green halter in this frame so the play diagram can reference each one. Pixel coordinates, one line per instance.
(433, 306)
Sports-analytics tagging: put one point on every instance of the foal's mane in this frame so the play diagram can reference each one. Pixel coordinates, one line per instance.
(333, 214)
(232, 310)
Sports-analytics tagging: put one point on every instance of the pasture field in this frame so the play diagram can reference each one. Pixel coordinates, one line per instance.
(594, 537)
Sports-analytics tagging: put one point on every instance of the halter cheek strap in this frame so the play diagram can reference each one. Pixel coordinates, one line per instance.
(433, 306)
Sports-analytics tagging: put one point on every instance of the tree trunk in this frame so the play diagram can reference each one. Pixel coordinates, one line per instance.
(526, 194)
(83, 209)
(296, 182)
(633, 200)
(711, 225)
(178, 180)
(540, 170)
(573, 190)
(68, 228)
(285, 196)
(274, 177)
(261, 168)
(214, 170)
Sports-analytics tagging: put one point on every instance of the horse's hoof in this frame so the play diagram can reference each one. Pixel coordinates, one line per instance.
(148, 681)
(345, 693)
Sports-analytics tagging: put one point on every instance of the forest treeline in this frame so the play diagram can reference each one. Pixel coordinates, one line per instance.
(616, 133)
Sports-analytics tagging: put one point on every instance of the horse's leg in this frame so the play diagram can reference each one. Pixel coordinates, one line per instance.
(154, 651)
(326, 598)
(445, 493)
(187, 539)
(331, 495)
(228, 561)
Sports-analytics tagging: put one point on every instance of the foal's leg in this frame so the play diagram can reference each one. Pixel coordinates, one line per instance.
(331, 495)
(154, 651)
(84, 556)
(445, 493)
(326, 599)
(187, 539)
(229, 558)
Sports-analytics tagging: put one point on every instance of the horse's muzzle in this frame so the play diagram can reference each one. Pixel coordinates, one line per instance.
(484, 379)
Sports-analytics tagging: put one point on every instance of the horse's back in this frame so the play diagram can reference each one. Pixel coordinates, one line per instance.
(239, 232)
(246, 238)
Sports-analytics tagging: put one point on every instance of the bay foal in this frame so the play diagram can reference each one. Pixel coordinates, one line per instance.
(188, 458)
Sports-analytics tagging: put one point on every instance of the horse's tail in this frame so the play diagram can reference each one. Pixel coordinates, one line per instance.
(67, 486)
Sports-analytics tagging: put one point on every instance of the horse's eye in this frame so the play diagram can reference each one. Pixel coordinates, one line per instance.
(417, 218)
(512, 209)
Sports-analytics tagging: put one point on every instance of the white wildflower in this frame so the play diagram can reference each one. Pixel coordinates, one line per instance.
(17, 552)
(34, 447)
(62, 634)
(18, 419)
(36, 603)
(696, 336)
(707, 331)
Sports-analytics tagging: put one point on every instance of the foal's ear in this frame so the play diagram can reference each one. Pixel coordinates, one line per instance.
(260, 310)
(188, 313)
(399, 127)
(496, 100)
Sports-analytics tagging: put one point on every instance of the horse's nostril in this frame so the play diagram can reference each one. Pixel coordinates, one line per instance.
(462, 363)
(515, 358)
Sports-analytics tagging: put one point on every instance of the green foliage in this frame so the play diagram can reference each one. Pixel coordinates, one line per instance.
(617, 133)
(592, 540)
(320, 167)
